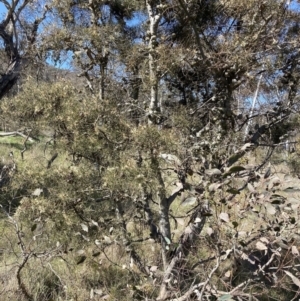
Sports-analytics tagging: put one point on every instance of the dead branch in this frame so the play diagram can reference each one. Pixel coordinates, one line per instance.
(52, 160)
(20, 282)
(209, 277)
(25, 146)
(186, 240)
(16, 133)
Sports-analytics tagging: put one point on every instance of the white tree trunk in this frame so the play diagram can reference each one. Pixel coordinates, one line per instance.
(154, 18)
(253, 106)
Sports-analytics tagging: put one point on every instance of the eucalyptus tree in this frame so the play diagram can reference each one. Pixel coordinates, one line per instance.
(92, 31)
(169, 203)
(19, 34)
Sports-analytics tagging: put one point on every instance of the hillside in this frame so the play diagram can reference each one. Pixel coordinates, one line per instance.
(159, 169)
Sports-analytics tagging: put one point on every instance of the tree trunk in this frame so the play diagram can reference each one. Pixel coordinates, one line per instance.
(154, 18)
(101, 84)
(10, 32)
(10, 77)
(186, 241)
(103, 67)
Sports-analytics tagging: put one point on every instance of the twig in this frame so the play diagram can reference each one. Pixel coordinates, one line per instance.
(51, 268)
(262, 269)
(209, 277)
(25, 147)
(46, 144)
(103, 133)
(20, 282)
(26, 256)
(51, 160)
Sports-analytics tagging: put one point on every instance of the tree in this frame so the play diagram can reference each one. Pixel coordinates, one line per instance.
(19, 37)
(171, 203)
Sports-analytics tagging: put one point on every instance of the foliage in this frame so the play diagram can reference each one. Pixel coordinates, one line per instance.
(145, 172)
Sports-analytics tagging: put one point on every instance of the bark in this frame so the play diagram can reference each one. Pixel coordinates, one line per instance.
(185, 243)
(10, 38)
(101, 84)
(10, 77)
(165, 230)
(253, 106)
(164, 204)
(6, 33)
(154, 18)
(135, 83)
(164, 207)
(51, 160)
(103, 67)
(21, 284)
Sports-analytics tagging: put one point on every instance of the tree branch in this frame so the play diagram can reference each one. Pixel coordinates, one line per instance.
(186, 240)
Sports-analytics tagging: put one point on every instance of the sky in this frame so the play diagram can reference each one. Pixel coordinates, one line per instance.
(293, 5)
(2, 8)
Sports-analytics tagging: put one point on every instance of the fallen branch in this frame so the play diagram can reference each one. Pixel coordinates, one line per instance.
(16, 133)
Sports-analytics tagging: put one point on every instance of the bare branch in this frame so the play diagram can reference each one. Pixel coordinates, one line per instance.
(209, 277)
(186, 240)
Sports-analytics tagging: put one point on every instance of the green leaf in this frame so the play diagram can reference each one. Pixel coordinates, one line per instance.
(189, 201)
(251, 188)
(170, 158)
(224, 217)
(234, 169)
(33, 227)
(277, 202)
(270, 209)
(233, 191)
(214, 186)
(291, 189)
(235, 224)
(207, 214)
(167, 240)
(37, 192)
(226, 297)
(84, 227)
(213, 172)
(277, 197)
(80, 259)
(294, 278)
(95, 254)
(234, 158)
